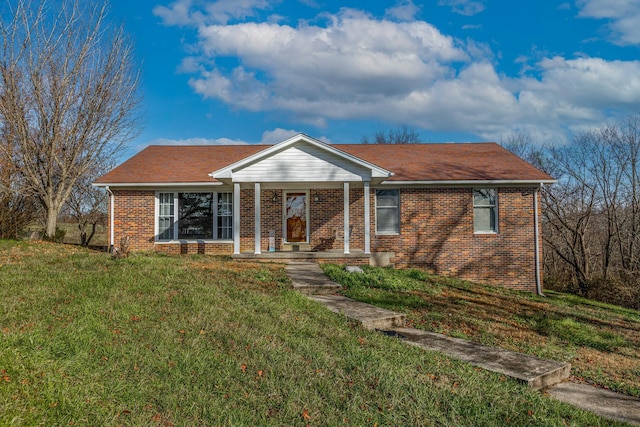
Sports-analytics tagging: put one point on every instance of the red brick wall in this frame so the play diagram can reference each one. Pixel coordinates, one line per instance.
(327, 219)
(133, 216)
(270, 217)
(436, 230)
(437, 234)
(134, 212)
(247, 220)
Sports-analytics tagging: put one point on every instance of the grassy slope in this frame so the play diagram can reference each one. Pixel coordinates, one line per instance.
(160, 340)
(600, 341)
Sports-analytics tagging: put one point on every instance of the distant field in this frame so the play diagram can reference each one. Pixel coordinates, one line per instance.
(161, 340)
(72, 234)
(601, 341)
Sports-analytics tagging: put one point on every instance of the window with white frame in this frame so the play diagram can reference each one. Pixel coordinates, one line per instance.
(195, 216)
(387, 211)
(165, 216)
(225, 216)
(485, 210)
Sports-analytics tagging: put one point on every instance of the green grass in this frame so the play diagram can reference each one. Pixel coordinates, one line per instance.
(601, 341)
(193, 340)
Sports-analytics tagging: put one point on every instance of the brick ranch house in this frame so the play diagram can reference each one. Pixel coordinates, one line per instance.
(464, 210)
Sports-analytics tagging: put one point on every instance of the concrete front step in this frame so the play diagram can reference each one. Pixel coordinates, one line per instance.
(308, 278)
(368, 316)
(536, 373)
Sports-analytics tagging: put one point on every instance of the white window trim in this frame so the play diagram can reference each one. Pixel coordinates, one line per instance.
(175, 214)
(215, 215)
(385, 233)
(496, 216)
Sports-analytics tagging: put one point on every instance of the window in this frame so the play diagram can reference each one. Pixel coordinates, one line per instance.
(165, 216)
(485, 212)
(387, 211)
(195, 218)
(200, 216)
(225, 216)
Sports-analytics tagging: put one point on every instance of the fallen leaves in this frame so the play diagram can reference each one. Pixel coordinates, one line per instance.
(161, 419)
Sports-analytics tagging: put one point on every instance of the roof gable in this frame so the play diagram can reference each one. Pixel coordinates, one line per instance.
(301, 158)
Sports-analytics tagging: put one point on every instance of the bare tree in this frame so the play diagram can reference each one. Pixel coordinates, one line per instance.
(523, 145)
(17, 208)
(68, 94)
(87, 206)
(400, 135)
(592, 216)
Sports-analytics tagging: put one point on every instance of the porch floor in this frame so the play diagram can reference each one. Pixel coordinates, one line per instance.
(355, 257)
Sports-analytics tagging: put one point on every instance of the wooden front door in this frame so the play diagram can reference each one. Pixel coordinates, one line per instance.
(296, 217)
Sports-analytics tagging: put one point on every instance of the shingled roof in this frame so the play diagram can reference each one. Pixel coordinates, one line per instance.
(449, 162)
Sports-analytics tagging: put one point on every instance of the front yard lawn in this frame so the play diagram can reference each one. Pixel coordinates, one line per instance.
(194, 340)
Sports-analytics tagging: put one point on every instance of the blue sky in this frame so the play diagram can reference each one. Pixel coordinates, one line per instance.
(258, 71)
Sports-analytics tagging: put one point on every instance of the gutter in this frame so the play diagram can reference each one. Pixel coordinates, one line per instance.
(158, 184)
(111, 210)
(536, 232)
(476, 183)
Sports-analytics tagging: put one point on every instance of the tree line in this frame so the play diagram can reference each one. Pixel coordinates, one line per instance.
(591, 216)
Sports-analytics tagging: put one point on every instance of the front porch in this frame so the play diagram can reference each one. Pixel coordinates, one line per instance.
(301, 193)
(336, 256)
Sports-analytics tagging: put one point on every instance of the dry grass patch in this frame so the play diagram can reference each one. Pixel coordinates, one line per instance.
(602, 342)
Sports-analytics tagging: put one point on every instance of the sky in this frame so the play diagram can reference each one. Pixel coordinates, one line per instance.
(260, 71)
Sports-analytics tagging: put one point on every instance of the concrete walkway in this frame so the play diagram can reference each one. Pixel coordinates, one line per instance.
(536, 373)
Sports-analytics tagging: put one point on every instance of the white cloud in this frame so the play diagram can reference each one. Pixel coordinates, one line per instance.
(311, 3)
(355, 59)
(268, 137)
(463, 7)
(623, 17)
(197, 141)
(277, 135)
(578, 92)
(178, 13)
(354, 66)
(186, 12)
(223, 11)
(404, 10)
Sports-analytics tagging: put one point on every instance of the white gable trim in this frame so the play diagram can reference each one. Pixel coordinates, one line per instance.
(228, 171)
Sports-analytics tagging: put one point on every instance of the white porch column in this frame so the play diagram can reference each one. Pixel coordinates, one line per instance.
(257, 220)
(346, 218)
(367, 220)
(236, 218)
